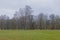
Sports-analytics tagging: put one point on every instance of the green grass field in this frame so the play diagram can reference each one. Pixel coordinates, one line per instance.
(29, 34)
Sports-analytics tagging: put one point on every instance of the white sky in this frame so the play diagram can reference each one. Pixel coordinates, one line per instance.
(8, 7)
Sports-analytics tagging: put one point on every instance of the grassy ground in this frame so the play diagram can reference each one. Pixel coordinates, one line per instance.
(30, 35)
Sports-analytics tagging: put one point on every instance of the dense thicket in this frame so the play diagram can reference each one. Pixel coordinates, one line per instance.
(23, 19)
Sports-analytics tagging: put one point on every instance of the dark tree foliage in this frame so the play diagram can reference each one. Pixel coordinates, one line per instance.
(23, 19)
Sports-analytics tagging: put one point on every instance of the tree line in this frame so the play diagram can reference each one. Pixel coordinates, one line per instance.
(23, 19)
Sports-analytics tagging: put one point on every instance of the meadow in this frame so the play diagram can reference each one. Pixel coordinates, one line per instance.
(29, 34)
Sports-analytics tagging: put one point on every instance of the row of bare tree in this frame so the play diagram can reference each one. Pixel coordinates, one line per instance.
(23, 19)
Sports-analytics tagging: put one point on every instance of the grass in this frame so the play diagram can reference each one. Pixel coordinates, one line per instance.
(29, 34)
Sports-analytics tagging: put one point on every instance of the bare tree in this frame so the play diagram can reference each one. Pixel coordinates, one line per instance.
(41, 21)
(28, 17)
(52, 18)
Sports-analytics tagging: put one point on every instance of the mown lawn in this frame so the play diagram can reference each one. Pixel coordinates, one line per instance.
(29, 34)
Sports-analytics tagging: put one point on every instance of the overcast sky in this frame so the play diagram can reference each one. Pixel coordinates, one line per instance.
(8, 7)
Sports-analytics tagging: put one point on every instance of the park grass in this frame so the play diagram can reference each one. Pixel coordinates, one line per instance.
(29, 34)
